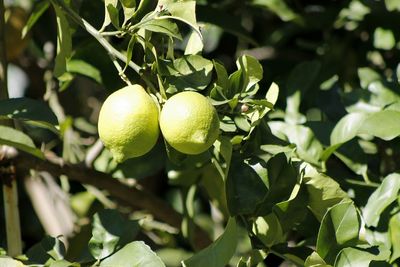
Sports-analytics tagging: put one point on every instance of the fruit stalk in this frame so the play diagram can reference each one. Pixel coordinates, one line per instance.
(7, 174)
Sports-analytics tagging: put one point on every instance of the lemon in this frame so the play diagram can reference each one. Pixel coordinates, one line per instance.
(128, 123)
(189, 122)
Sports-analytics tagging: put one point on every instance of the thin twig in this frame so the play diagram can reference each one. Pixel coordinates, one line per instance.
(100, 38)
(115, 187)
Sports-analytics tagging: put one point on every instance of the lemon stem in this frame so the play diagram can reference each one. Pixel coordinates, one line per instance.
(7, 172)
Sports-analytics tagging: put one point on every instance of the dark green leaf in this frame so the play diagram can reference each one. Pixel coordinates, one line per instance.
(114, 15)
(244, 188)
(136, 253)
(218, 253)
(19, 140)
(28, 109)
(107, 15)
(162, 25)
(47, 251)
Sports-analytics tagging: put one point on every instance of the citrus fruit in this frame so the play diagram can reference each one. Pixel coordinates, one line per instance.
(189, 122)
(128, 123)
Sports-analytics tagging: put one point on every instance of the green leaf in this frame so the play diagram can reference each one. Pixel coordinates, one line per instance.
(37, 12)
(314, 260)
(278, 7)
(354, 257)
(280, 180)
(382, 197)
(272, 93)
(339, 229)
(19, 140)
(107, 15)
(31, 110)
(190, 72)
(244, 188)
(194, 44)
(47, 251)
(252, 73)
(64, 43)
(110, 232)
(383, 124)
(384, 39)
(308, 146)
(162, 25)
(183, 11)
(392, 5)
(268, 230)
(394, 235)
(323, 191)
(347, 128)
(113, 14)
(85, 69)
(219, 252)
(10, 262)
(136, 253)
(367, 76)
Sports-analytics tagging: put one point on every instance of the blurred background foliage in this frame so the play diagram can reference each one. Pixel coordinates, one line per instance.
(332, 136)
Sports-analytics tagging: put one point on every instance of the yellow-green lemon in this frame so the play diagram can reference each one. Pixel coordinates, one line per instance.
(128, 123)
(189, 122)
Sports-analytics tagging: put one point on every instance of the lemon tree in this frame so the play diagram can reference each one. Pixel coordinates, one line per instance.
(128, 123)
(189, 122)
(200, 133)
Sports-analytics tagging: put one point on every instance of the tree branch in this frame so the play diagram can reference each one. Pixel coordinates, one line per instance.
(130, 195)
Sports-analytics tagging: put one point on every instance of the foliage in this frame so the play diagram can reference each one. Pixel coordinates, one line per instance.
(305, 169)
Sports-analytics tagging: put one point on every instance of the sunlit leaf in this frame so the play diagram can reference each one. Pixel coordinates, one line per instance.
(136, 253)
(339, 229)
(383, 196)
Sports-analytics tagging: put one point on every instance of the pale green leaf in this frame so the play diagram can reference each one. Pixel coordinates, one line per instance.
(355, 257)
(136, 253)
(382, 197)
(85, 69)
(383, 124)
(384, 39)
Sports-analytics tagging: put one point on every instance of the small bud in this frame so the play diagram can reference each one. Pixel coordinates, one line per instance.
(244, 108)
